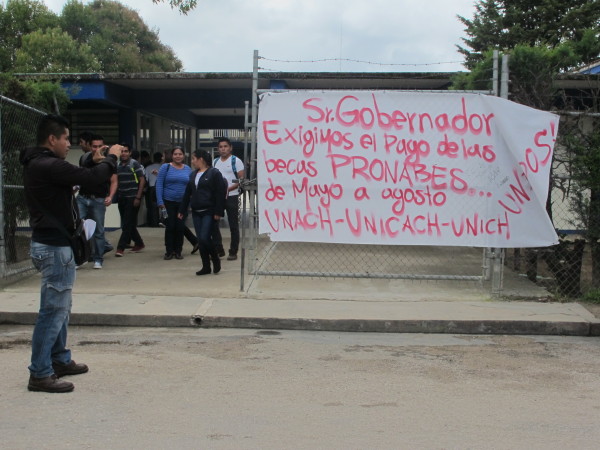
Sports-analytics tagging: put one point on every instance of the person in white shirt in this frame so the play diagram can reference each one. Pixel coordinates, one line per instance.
(232, 169)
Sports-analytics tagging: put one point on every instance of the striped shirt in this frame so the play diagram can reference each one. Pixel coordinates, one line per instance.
(129, 177)
(171, 183)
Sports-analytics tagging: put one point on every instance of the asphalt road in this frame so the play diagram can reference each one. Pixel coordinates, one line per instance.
(246, 389)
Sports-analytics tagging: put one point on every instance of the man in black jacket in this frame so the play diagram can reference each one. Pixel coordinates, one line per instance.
(49, 181)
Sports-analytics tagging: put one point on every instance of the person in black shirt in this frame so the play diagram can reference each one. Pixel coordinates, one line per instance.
(92, 202)
(48, 182)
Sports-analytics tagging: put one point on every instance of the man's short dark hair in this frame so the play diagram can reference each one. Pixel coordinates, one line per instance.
(86, 136)
(157, 157)
(224, 139)
(51, 124)
(96, 137)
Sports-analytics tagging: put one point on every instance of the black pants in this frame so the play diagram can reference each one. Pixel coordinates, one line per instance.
(173, 229)
(151, 207)
(233, 217)
(129, 229)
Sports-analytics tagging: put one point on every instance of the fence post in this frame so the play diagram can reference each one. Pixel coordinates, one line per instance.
(2, 237)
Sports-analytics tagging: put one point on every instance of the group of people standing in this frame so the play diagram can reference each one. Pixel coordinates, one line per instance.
(50, 184)
(210, 187)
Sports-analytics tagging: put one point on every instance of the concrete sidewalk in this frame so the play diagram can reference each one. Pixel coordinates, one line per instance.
(144, 290)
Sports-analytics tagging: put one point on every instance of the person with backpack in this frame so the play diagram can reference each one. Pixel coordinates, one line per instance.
(132, 179)
(205, 194)
(232, 169)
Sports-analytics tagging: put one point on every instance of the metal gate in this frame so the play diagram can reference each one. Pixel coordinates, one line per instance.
(262, 257)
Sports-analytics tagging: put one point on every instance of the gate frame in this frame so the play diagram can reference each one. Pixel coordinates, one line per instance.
(492, 258)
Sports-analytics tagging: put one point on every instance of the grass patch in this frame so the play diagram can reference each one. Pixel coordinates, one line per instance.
(591, 296)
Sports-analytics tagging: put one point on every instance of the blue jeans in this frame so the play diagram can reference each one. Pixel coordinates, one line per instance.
(232, 208)
(204, 224)
(48, 344)
(93, 208)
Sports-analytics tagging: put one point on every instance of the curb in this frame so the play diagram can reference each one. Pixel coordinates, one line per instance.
(111, 320)
(512, 327)
(483, 327)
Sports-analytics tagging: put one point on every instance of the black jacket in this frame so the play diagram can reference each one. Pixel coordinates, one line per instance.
(208, 197)
(48, 182)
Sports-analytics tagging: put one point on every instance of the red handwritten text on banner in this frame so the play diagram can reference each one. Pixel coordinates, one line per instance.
(404, 168)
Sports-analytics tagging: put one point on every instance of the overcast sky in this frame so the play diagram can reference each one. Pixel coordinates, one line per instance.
(390, 35)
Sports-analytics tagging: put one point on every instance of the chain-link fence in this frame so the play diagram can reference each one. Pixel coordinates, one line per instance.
(466, 265)
(18, 123)
(570, 269)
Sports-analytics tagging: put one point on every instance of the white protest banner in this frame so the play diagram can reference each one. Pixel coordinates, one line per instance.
(404, 168)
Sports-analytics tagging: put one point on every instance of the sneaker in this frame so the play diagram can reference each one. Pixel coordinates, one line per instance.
(80, 265)
(162, 225)
(221, 252)
(49, 384)
(138, 248)
(60, 370)
(97, 265)
(168, 256)
(232, 257)
(119, 252)
(108, 248)
(178, 256)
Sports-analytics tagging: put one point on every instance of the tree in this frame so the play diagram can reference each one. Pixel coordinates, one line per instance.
(17, 19)
(504, 24)
(118, 37)
(545, 39)
(54, 51)
(184, 6)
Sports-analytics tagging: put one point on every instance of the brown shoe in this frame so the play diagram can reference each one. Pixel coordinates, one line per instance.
(60, 370)
(49, 384)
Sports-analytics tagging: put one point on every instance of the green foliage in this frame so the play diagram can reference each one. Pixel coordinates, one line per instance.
(17, 19)
(591, 296)
(184, 6)
(42, 94)
(480, 78)
(504, 24)
(101, 36)
(118, 37)
(54, 51)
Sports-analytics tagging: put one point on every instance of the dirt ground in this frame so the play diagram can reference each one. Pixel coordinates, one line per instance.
(230, 389)
(593, 308)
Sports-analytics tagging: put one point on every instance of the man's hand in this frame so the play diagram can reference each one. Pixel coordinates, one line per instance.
(115, 150)
(98, 153)
(108, 201)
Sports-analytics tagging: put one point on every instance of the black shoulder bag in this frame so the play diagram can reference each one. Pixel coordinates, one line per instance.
(82, 248)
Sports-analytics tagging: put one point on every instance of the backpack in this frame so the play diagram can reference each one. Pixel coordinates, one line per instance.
(233, 158)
